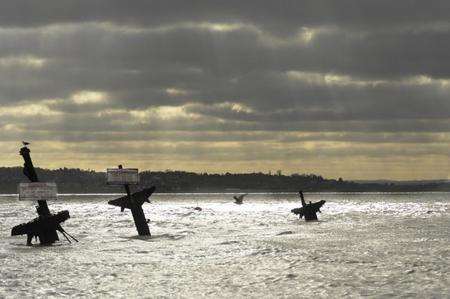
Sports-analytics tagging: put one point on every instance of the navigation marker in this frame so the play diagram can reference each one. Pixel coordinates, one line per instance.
(122, 176)
(134, 202)
(38, 191)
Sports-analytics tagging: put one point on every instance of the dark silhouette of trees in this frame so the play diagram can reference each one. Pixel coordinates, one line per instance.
(72, 180)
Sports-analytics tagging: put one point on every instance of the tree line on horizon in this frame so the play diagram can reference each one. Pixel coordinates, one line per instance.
(72, 180)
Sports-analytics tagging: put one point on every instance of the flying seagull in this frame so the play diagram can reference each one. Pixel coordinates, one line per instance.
(239, 199)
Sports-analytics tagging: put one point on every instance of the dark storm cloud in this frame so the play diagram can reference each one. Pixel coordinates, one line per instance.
(122, 122)
(135, 69)
(232, 53)
(284, 16)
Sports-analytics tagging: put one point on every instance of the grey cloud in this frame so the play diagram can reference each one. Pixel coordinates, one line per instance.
(135, 68)
(281, 17)
(83, 48)
(246, 151)
(124, 122)
(277, 98)
(281, 137)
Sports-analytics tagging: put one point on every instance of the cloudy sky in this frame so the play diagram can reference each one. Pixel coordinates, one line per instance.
(357, 89)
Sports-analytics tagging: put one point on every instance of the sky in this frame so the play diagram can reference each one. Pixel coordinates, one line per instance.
(357, 89)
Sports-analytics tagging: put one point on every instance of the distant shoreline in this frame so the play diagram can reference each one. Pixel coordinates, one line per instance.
(77, 181)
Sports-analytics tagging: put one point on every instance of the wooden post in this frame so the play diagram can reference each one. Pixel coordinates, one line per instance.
(49, 235)
(302, 198)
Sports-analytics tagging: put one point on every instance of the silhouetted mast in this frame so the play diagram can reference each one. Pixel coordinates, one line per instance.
(49, 235)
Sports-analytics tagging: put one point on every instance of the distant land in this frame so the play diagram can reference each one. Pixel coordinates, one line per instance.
(88, 181)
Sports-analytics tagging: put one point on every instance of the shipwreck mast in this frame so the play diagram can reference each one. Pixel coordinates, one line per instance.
(48, 235)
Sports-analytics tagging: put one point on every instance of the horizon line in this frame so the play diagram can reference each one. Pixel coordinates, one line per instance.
(255, 172)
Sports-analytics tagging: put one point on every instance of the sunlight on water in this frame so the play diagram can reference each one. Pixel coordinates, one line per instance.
(373, 244)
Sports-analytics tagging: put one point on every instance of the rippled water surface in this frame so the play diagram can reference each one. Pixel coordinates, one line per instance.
(376, 245)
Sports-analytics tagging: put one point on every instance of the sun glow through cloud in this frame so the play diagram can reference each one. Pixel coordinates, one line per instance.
(89, 97)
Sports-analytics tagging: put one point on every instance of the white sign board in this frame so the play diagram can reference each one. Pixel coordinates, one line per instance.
(38, 191)
(122, 176)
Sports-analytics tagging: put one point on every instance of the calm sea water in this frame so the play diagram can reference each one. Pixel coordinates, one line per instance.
(377, 245)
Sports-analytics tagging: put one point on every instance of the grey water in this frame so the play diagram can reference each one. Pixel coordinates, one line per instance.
(365, 244)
